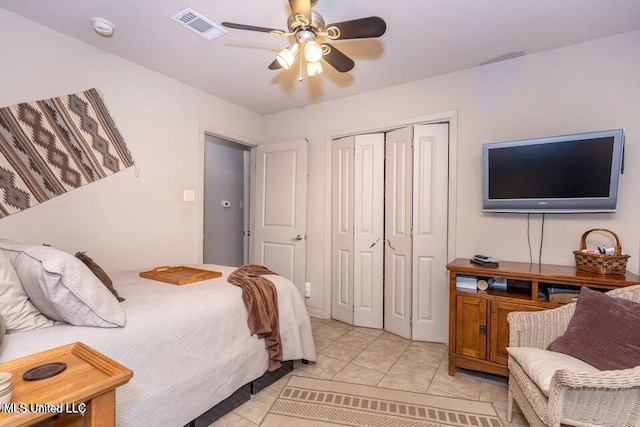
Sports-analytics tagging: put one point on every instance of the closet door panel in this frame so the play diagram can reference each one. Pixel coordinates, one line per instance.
(430, 201)
(342, 224)
(398, 222)
(368, 229)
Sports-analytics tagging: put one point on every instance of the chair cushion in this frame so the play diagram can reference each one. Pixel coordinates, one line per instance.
(540, 365)
(604, 332)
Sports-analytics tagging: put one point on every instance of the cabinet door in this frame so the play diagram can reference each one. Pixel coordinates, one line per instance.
(499, 329)
(471, 327)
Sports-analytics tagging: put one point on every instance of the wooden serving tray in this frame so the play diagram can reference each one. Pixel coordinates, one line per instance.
(179, 275)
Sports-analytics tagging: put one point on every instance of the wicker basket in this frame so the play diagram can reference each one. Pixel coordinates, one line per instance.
(601, 263)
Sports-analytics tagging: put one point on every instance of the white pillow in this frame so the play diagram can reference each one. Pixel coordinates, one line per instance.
(63, 288)
(16, 309)
(540, 365)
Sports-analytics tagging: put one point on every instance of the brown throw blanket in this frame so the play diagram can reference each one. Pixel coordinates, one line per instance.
(261, 299)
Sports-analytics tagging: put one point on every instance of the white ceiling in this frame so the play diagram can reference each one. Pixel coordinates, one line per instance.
(424, 38)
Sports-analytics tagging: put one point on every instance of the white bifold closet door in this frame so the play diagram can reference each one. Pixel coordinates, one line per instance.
(398, 223)
(416, 222)
(342, 234)
(430, 290)
(358, 204)
(410, 165)
(369, 228)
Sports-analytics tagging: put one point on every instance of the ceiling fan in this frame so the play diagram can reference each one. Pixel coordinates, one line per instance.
(307, 26)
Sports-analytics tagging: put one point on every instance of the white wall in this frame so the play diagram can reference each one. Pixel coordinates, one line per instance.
(126, 222)
(123, 222)
(590, 86)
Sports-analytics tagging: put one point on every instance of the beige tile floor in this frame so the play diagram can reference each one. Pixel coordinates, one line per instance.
(378, 358)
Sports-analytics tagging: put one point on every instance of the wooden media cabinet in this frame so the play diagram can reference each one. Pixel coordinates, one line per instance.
(478, 328)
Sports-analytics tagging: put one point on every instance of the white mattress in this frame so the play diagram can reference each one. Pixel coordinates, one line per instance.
(188, 346)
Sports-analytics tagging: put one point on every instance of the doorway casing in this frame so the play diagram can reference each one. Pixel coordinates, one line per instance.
(230, 136)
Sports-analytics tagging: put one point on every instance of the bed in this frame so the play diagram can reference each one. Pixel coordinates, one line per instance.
(188, 346)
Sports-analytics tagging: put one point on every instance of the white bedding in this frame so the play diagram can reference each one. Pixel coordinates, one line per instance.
(189, 346)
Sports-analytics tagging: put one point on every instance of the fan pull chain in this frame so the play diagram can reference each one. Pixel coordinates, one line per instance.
(300, 78)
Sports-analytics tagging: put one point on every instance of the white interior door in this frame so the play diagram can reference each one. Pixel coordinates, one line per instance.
(430, 199)
(398, 223)
(342, 234)
(281, 209)
(368, 230)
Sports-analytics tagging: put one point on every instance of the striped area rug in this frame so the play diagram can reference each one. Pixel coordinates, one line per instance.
(313, 402)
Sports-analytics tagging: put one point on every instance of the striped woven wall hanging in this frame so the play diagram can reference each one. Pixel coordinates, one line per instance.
(52, 146)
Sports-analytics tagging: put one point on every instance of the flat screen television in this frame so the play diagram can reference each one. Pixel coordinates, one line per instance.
(559, 174)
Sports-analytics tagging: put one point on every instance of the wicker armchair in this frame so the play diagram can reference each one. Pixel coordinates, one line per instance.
(606, 398)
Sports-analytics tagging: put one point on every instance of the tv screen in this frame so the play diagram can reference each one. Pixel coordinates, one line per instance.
(568, 173)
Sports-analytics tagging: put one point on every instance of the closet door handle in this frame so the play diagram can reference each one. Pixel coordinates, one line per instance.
(374, 243)
(389, 243)
(297, 238)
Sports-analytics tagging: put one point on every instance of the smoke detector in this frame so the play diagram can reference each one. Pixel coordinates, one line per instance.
(197, 23)
(102, 26)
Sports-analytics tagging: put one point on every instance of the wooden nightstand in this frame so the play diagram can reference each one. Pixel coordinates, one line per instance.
(88, 383)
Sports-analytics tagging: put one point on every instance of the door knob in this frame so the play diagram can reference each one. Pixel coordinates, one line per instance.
(297, 238)
(374, 243)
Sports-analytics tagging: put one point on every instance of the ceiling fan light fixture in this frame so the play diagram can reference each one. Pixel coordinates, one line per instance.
(308, 27)
(314, 68)
(312, 51)
(287, 56)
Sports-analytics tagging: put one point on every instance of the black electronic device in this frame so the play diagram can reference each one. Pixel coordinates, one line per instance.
(558, 174)
(480, 262)
(484, 260)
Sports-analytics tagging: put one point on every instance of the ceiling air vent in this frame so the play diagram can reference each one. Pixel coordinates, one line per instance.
(197, 23)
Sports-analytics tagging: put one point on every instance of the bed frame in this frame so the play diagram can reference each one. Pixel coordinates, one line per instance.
(242, 395)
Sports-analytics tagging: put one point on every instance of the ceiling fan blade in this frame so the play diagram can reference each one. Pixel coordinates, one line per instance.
(362, 28)
(301, 7)
(337, 59)
(275, 65)
(252, 28)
